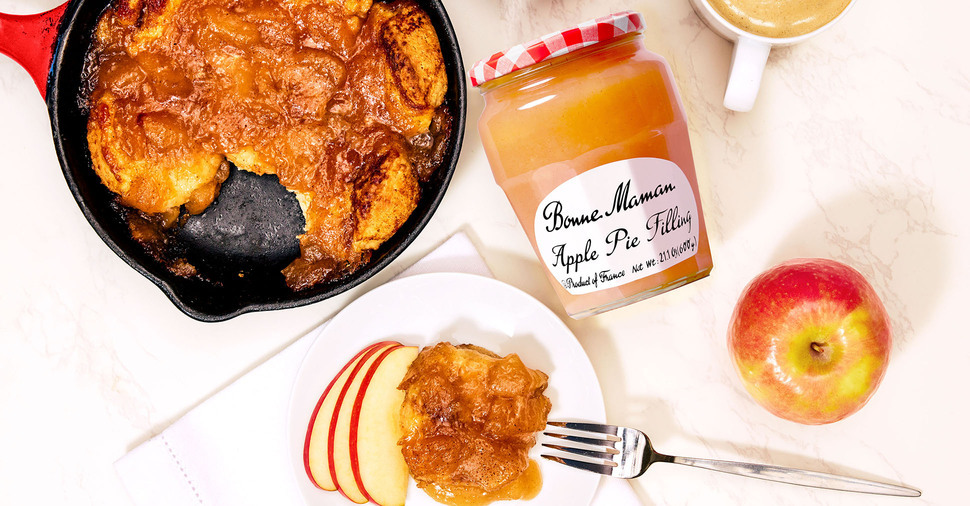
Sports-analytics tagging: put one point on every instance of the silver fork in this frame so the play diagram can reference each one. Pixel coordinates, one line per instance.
(624, 452)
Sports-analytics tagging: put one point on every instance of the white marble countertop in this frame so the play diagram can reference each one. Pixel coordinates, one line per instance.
(854, 151)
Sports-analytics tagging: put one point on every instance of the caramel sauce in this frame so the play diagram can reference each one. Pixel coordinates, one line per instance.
(469, 420)
(525, 487)
(343, 101)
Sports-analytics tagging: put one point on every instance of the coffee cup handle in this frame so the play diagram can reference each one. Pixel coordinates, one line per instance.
(747, 65)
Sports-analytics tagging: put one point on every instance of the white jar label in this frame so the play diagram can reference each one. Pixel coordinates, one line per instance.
(617, 223)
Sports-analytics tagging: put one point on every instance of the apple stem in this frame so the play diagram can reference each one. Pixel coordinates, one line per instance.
(817, 347)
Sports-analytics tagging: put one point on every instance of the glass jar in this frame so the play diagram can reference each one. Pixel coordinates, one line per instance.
(586, 133)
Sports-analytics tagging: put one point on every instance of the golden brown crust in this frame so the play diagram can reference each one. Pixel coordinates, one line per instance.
(414, 55)
(131, 153)
(469, 417)
(398, 70)
(384, 199)
(323, 94)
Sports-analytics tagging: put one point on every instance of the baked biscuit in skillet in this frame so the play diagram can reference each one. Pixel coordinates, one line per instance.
(149, 159)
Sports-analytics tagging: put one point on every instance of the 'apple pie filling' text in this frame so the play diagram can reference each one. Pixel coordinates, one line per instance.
(617, 223)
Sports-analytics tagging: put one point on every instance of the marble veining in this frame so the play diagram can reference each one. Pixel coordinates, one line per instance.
(855, 151)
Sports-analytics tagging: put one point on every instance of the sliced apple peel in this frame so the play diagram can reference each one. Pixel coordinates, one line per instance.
(379, 468)
(341, 466)
(317, 444)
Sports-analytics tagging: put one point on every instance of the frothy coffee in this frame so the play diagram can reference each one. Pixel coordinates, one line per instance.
(779, 18)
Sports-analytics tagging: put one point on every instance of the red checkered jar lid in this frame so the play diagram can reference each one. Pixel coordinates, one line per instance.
(555, 44)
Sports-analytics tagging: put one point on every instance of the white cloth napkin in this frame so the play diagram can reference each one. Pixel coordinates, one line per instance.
(231, 449)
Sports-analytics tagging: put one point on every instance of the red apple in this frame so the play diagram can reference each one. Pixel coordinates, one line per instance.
(811, 340)
(340, 464)
(380, 471)
(317, 446)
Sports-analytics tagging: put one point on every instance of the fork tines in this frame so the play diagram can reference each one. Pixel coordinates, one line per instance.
(593, 444)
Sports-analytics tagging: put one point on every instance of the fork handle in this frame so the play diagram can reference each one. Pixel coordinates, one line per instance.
(798, 477)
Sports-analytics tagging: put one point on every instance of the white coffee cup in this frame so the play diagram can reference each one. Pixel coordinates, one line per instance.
(750, 54)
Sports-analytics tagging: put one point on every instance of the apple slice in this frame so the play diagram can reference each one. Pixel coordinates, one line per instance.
(376, 460)
(341, 471)
(316, 446)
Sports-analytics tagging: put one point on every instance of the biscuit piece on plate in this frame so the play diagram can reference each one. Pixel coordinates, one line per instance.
(469, 418)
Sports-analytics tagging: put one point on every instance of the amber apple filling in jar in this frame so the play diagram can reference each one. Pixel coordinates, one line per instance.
(591, 147)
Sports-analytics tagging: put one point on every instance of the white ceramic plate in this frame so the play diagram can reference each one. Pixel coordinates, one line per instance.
(459, 308)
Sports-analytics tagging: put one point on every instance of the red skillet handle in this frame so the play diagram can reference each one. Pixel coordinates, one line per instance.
(29, 40)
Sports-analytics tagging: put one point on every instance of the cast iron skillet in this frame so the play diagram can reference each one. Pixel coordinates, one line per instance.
(243, 240)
